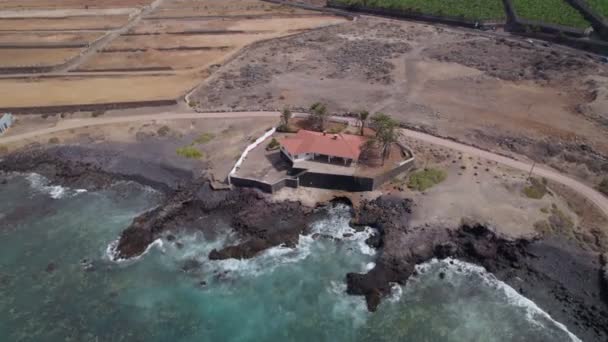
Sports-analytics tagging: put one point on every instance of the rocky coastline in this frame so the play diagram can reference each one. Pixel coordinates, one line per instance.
(569, 283)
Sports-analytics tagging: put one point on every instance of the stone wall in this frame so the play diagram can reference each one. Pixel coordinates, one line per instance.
(87, 107)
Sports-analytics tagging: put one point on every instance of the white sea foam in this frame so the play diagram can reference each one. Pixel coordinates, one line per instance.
(396, 293)
(112, 252)
(353, 307)
(41, 184)
(534, 314)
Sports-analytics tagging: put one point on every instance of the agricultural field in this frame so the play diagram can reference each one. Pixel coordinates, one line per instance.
(70, 4)
(59, 91)
(173, 59)
(99, 23)
(171, 9)
(35, 57)
(600, 6)
(551, 12)
(49, 38)
(112, 51)
(468, 9)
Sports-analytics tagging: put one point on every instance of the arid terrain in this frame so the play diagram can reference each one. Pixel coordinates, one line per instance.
(168, 93)
(510, 96)
(128, 51)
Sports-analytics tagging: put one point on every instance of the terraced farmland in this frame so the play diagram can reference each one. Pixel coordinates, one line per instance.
(600, 6)
(468, 9)
(550, 11)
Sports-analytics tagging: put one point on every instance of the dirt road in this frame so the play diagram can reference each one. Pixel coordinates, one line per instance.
(591, 194)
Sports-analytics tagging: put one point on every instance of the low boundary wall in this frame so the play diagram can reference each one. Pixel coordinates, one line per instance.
(87, 107)
(569, 36)
(248, 149)
(599, 23)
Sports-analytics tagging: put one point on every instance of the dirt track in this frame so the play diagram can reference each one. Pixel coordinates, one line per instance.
(501, 94)
(592, 195)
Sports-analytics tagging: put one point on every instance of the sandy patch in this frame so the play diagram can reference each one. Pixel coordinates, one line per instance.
(35, 57)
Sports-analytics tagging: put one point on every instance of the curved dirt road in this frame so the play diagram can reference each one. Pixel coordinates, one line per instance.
(588, 192)
(591, 194)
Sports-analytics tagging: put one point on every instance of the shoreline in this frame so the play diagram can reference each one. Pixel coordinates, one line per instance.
(564, 280)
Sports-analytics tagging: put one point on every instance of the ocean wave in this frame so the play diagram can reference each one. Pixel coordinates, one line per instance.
(41, 184)
(453, 269)
(335, 224)
(353, 307)
(112, 251)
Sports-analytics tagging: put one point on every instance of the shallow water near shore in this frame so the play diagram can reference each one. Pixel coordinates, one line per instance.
(57, 282)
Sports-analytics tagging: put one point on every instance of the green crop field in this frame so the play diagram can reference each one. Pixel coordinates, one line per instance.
(551, 12)
(600, 6)
(468, 9)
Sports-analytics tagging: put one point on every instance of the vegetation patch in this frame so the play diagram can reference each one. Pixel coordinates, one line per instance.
(536, 190)
(551, 12)
(54, 140)
(163, 131)
(272, 145)
(189, 152)
(603, 186)
(426, 179)
(599, 6)
(98, 113)
(204, 138)
(557, 223)
(337, 128)
(466, 9)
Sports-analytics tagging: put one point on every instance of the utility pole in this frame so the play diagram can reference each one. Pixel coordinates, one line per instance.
(531, 169)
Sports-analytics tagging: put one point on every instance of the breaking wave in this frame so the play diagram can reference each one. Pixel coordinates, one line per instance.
(455, 271)
(41, 184)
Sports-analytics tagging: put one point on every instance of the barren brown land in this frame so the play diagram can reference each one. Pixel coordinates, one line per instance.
(507, 95)
(129, 43)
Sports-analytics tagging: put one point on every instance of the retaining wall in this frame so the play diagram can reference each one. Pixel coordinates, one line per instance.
(252, 183)
(599, 23)
(87, 107)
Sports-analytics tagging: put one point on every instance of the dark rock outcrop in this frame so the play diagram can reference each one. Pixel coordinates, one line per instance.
(260, 223)
(562, 279)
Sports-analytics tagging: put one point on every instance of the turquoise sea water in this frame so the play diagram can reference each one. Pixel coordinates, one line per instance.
(49, 293)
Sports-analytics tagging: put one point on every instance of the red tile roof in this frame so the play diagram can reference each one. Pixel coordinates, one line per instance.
(335, 145)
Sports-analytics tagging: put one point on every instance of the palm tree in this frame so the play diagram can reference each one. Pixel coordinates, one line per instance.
(362, 116)
(319, 115)
(386, 134)
(286, 115)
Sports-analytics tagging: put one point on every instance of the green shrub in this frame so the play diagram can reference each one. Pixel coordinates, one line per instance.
(190, 152)
(273, 145)
(287, 129)
(603, 186)
(337, 129)
(536, 190)
(426, 179)
(204, 138)
(54, 140)
(551, 12)
(163, 131)
(97, 113)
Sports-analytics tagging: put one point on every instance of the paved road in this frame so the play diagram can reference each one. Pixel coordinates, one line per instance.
(588, 192)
